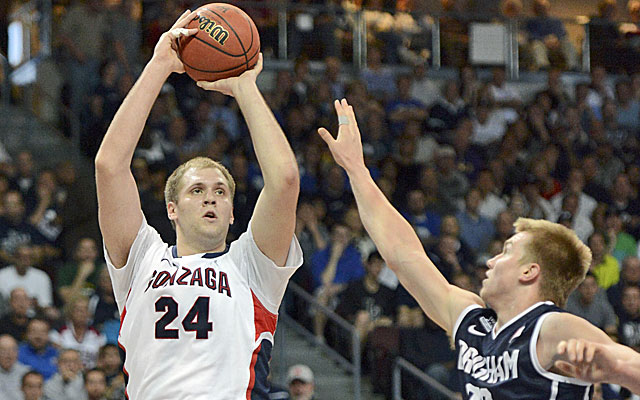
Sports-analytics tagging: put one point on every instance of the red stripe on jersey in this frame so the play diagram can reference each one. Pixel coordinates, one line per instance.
(124, 313)
(264, 321)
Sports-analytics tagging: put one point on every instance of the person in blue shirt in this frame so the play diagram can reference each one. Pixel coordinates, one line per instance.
(332, 268)
(37, 352)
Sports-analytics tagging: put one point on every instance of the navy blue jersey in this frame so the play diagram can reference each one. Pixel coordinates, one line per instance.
(504, 364)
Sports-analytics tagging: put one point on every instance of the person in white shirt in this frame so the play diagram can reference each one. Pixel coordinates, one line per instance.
(198, 318)
(11, 370)
(22, 274)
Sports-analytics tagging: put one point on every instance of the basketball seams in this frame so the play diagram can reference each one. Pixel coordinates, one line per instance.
(246, 62)
(221, 71)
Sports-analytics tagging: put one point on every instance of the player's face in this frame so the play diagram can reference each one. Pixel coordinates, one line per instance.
(204, 209)
(503, 269)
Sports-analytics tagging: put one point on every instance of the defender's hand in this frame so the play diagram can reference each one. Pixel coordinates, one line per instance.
(347, 147)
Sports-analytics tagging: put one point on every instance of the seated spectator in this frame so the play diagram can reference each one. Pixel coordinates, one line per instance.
(110, 363)
(504, 226)
(11, 370)
(301, 382)
(548, 39)
(378, 78)
(590, 302)
(15, 229)
(569, 216)
(454, 33)
(95, 384)
(491, 205)
(23, 274)
(629, 276)
(623, 244)
(36, 351)
(624, 204)
(423, 88)
(629, 323)
(32, 385)
(604, 35)
(464, 253)
(503, 93)
(475, 230)
(366, 303)
(490, 123)
(45, 216)
(77, 334)
(536, 206)
(452, 184)
(402, 108)
(449, 108)
(15, 321)
(80, 275)
(604, 266)
(67, 383)
(425, 222)
(333, 267)
(103, 308)
(628, 108)
(575, 184)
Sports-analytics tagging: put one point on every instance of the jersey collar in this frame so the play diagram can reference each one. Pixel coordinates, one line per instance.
(174, 253)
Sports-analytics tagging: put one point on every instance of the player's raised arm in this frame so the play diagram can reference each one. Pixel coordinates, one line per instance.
(396, 240)
(571, 346)
(119, 210)
(274, 216)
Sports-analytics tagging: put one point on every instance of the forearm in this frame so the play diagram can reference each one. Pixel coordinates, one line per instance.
(119, 143)
(277, 161)
(627, 371)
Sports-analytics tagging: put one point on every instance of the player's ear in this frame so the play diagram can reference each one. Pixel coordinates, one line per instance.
(231, 219)
(530, 273)
(171, 211)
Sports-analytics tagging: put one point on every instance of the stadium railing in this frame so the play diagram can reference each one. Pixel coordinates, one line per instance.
(353, 366)
(401, 365)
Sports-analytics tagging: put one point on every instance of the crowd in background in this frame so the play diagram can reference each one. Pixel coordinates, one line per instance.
(462, 158)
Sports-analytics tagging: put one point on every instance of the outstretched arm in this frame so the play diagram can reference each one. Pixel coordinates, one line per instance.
(274, 217)
(597, 362)
(394, 237)
(119, 211)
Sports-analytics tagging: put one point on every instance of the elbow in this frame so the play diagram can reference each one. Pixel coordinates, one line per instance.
(290, 176)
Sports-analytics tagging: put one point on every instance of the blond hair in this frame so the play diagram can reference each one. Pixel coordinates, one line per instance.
(563, 258)
(172, 186)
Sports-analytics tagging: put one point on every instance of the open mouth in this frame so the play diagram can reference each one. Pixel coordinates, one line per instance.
(210, 216)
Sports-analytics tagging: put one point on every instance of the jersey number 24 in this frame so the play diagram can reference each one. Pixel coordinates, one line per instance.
(196, 320)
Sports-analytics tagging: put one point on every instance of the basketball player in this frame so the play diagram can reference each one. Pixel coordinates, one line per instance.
(198, 318)
(510, 349)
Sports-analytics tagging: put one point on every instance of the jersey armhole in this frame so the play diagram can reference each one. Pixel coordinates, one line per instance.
(461, 317)
(533, 352)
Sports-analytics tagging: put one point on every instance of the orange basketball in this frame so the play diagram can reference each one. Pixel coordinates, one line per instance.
(226, 45)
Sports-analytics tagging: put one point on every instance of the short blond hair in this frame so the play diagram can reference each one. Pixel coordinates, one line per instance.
(563, 258)
(172, 187)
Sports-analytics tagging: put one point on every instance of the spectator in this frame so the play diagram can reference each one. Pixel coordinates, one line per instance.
(103, 308)
(366, 303)
(490, 123)
(25, 178)
(623, 244)
(425, 222)
(629, 276)
(312, 235)
(475, 230)
(377, 77)
(491, 205)
(45, 216)
(32, 385)
(110, 364)
(603, 35)
(623, 203)
(464, 253)
(67, 383)
(575, 184)
(15, 229)
(77, 333)
(11, 370)
(548, 38)
(449, 108)
(604, 266)
(333, 267)
(503, 93)
(423, 88)
(590, 302)
(569, 216)
(23, 274)
(36, 352)
(301, 382)
(536, 207)
(402, 108)
(628, 108)
(454, 33)
(452, 184)
(332, 75)
(629, 325)
(95, 384)
(15, 321)
(504, 225)
(80, 276)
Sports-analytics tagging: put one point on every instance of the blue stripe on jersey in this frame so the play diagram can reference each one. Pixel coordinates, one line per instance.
(261, 386)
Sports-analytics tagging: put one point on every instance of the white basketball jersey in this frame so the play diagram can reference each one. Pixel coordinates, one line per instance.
(199, 326)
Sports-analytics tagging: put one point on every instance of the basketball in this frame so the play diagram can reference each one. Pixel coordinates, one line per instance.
(226, 45)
